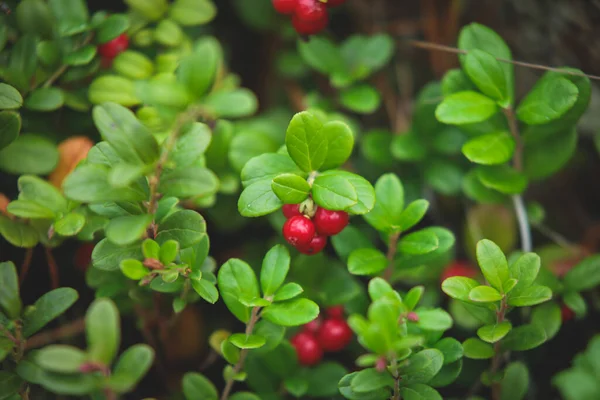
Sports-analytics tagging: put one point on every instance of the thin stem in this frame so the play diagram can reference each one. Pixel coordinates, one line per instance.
(240, 364)
(52, 268)
(65, 331)
(514, 131)
(391, 253)
(449, 49)
(25, 265)
(396, 395)
(8, 334)
(496, 361)
(555, 237)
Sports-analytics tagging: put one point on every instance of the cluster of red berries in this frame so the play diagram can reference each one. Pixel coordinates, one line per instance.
(329, 335)
(308, 16)
(308, 235)
(109, 50)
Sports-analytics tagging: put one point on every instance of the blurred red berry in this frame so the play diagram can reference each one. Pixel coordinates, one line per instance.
(312, 326)
(284, 6)
(310, 10)
(458, 268)
(307, 349)
(566, 313)
(334, 335)
(299, 231)
(291, 210)
(83, 256)
(114, 47)
(335, 312)
(316, 245)
(412, 316)
(329, 223)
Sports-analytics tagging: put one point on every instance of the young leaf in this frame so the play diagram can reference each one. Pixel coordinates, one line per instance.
(550, 98)
(197, 386)
(484, 294)
(493, 263)
(515, 383)
(131, 367)
(420, 242)
(487, 73)
(258, 199)
(185, 226)
(340, 142)
(413, 213)
(531, 296)
(244, 341)
(70, 225)
(490, 149)
(459, 287)
(133, 269)
(366, 262)
(288, 291)
(275, 267)
(363, 99)
(369, 380)
(290, 188)
(10, 300)
(524, 337)
(465, 108)
(236, 279)
(103, 330)
(60, 358)
(47, 308)
(434, 320)
(494, 333)
(386, 214)
(333, 191)
(291, 313)
(477, 349)
(305, 144)
(525, 269)
(418, 391)
(207, 290)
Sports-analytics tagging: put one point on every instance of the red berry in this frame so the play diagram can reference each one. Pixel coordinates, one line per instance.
(335, 312)
(308, 27)
(284, 6)
(114, 47)
(412, 316)
(307, 348)
(329, 223)
(299, 231)
(315, 246)
(334, 3)
(334, 335)
(313, 326)
(458, 268)
(566, 313)
(291, 210)
(310, 10)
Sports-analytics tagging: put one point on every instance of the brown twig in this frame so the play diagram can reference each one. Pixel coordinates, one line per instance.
(391, 253)
(52, 268)
(514, 131)
(240, 364)
(68, 330)
(25, 265)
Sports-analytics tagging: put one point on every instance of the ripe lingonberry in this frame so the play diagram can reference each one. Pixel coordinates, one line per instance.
(315, 246)
(334, 3)
(329, 223)
(307, 348)
(284, 6)
(113, 48)
(310, 10)
(299, 231)
(335, 312)
(313, 326)
(309, 27)
(334, 335)
(566, 313)
(458, 268)
(290, 210)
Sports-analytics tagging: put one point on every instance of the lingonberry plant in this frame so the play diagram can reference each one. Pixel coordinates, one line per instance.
(346, 224)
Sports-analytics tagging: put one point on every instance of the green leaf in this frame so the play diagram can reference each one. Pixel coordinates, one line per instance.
(272, 333)
(487, 73)
(188, 182)
(10, 125)
(244, 396)
(484, 294)
(108, 256)
(544, 158)
(197, 70)
(18, 233)
(386, 215)
(237, 280)
(29, 209)
(524, 337)
(191, 145)
(29, 154)
(244, 341)
(127, 230)
(548, 317)
(288, 291)
(60, 358)
(291, 313)
(413, 214)
(133, 269)
(434, 320)
(531, 296)
(477, 349)
(32, 188)
(131, 367)
(584, 275)
(290, 188)
(258, 199)
(465, 108)
(322, 55)
(366, 262)
(575, 302)
(503, 179)
(185, 226)
(168, 252)
(232, 104)
(459, 287)
(248, 144)
(420, 242)
(45, 99)
(363, 99)
(82, 56)
(364, 190)
(515, 383)
(422, 366)
(70, 225)
(493, 263)
(197, 386)
(266, 167)
(408, 147)
(103, 330)
(47, 308)
(10, 98)
(413, 296)
(192, 12)
(10, 300)
(549, 99)
(370, 379)
(275, 267)
(524, 269)
(89, 184)
(345, 389)
(340, 142)
(305, 144)
(490, 149)
(206, 290)
(121, 129)
(112, 27)
(72, 16)
(333, 191)
(494, 333)
(475, 190)
(451, 349)
(444, 176)
(419, 391)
